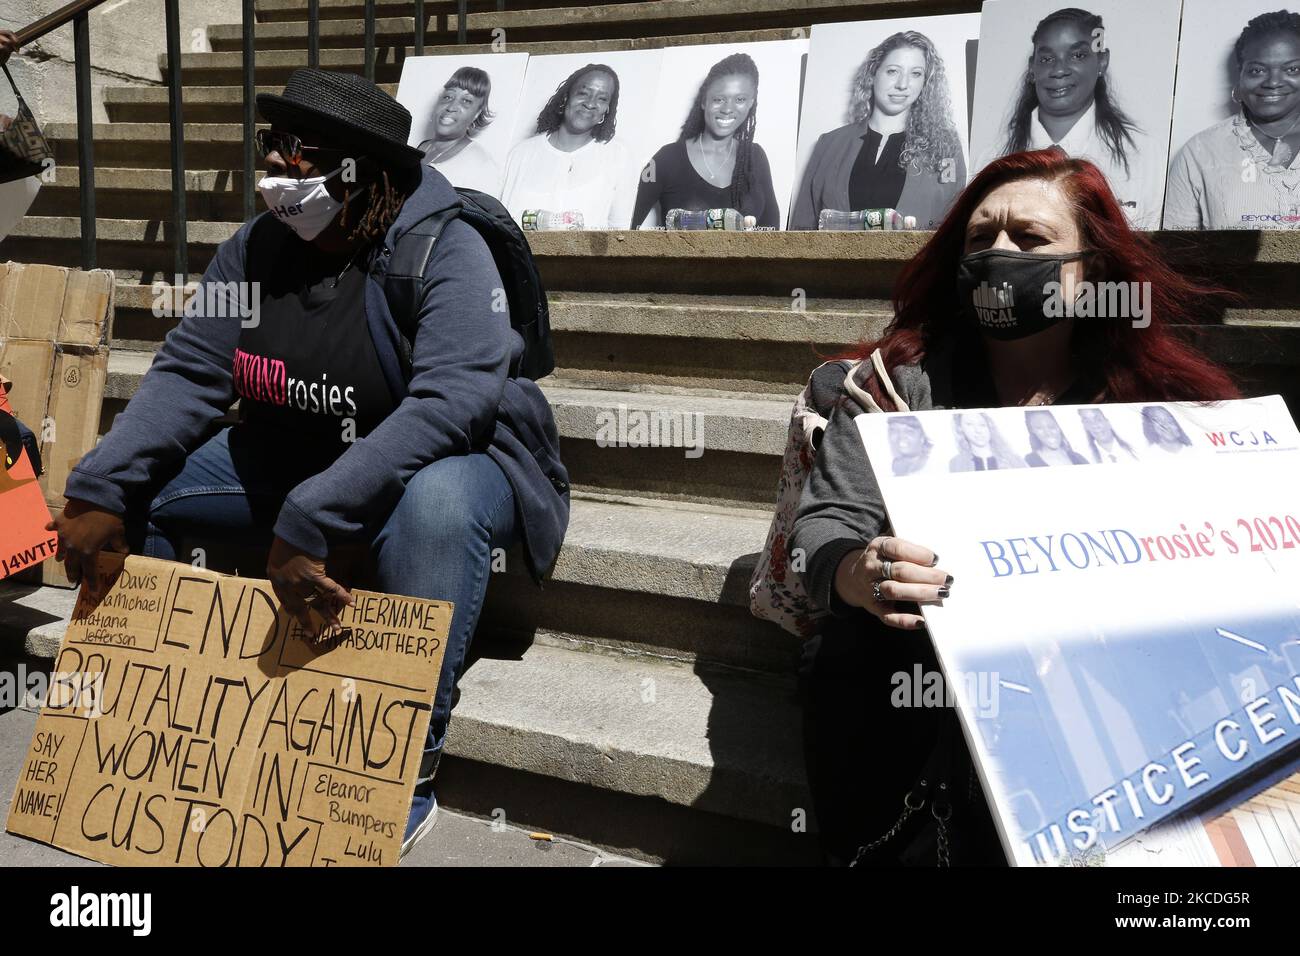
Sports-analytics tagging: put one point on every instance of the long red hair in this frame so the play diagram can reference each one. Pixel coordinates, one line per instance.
(1132, 365)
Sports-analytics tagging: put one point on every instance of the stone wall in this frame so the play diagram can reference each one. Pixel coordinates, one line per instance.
(126, 39)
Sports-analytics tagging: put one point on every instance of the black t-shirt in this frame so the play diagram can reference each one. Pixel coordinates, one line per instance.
(676, 185)
(877, 183)
(307, 375)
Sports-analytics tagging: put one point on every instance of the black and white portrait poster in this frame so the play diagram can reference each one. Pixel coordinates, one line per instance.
(1235, 143)
(884, 120)
(1096, 80)
(463, 110)
(723, 132)
(583, 127)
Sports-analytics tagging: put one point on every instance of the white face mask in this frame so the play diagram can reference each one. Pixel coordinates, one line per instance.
(304, 205)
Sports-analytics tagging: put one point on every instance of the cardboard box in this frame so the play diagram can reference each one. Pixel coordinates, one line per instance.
(29, 364)
(55, 325)
(72, 416)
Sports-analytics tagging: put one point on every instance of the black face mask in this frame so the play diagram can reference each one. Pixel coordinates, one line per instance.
(1008, 294)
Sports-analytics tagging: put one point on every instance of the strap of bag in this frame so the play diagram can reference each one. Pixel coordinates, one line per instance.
(863, 397)
(405, 277)
(22, 103)
(935, 786)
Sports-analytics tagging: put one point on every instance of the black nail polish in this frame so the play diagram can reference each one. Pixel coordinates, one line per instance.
(935, 562)
(943, 593)
(947, 582)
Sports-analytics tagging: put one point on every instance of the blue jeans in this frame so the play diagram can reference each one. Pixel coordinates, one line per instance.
(437, 543)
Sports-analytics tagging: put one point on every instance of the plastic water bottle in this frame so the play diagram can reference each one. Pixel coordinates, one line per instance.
(540, 220)
(705, 219)
(842, 221)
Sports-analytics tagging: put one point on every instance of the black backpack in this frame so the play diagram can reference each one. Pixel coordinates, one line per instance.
(404, 282)
(529, 314)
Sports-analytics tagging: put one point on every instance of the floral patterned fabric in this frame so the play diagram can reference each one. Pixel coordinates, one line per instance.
(776, 591)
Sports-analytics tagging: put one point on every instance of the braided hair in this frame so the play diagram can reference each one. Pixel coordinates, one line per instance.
(1265, 25)
(737, 64)
(383, 202)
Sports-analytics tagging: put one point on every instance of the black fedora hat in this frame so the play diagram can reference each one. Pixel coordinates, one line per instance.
(347, 108)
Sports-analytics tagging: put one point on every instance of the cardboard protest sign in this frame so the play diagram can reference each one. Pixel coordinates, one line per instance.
(24, 542)
(191, 721)
(1123, 635)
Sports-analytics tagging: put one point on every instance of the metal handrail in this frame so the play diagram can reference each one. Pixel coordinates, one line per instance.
(180, 226)
(313, 33)
(370, 41)
(52, 21)
(250, 95)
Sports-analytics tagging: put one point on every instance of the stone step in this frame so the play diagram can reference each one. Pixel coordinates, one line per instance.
(211, 195)
(648, 578)
(737, 343)
(673, 17)
(201, 104)
(1262, 267)
(208, 146)
(688, 445)
(676, 733)
(225, 68)
(136, 250)
(440, 31)
(334, 33)
(611, 343)
(727, 744)
(276, 11)
(762, 345)
(625, 561)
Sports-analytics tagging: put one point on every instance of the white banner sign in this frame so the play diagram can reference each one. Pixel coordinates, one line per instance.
(1123, 635)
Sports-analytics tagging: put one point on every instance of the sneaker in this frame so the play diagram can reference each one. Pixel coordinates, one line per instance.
(424, 810)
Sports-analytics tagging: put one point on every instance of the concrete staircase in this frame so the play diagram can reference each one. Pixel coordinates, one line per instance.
(633, 702)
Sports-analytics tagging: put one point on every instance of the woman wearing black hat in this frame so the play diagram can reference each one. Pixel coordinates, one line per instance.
(335, 444)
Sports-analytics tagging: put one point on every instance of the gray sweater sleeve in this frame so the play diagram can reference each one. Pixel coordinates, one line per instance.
(841, 508)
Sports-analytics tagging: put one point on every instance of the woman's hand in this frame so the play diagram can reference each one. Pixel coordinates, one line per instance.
(8, 45)
(85, 530)
(861, 581)
(300, 582)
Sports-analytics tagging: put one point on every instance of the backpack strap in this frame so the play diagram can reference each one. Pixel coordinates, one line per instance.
(22, 103)
(404, 281)
(863, 397)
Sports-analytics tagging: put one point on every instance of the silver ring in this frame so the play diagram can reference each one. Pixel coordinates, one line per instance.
(311, 598)
(875, 592)
(887, 570)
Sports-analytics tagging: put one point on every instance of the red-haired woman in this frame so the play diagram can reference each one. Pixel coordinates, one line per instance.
(1029, 220)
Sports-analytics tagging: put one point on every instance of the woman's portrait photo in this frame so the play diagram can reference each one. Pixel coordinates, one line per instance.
(909, 443)
(1236, 130)
(723, 151)
(576, 139)
(463, 109)
(1105, 445)
(884, 118)
(980, 446)
(1048, 444)
(1097, 82)
(1162, 431)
